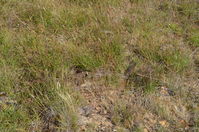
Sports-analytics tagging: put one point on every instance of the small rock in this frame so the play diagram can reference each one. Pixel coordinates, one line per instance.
(145, 130)
(2, 94)
(164, 123)
(5, 101)
(83, 120)
(85, 111)
(86, 85)
(166, 92)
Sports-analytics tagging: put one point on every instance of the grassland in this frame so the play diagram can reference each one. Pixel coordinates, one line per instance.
(60, 57)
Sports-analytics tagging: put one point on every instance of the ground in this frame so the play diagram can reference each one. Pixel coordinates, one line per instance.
(99, 65)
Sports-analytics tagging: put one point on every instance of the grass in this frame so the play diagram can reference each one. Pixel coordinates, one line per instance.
(13, 120)
(42, 40)
(121, 115)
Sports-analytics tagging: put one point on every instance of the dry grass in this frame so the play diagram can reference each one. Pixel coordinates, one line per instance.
(42, 41)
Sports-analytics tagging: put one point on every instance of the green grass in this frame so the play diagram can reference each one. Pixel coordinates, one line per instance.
(13, 120)
(42, 40)
(194, 39)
